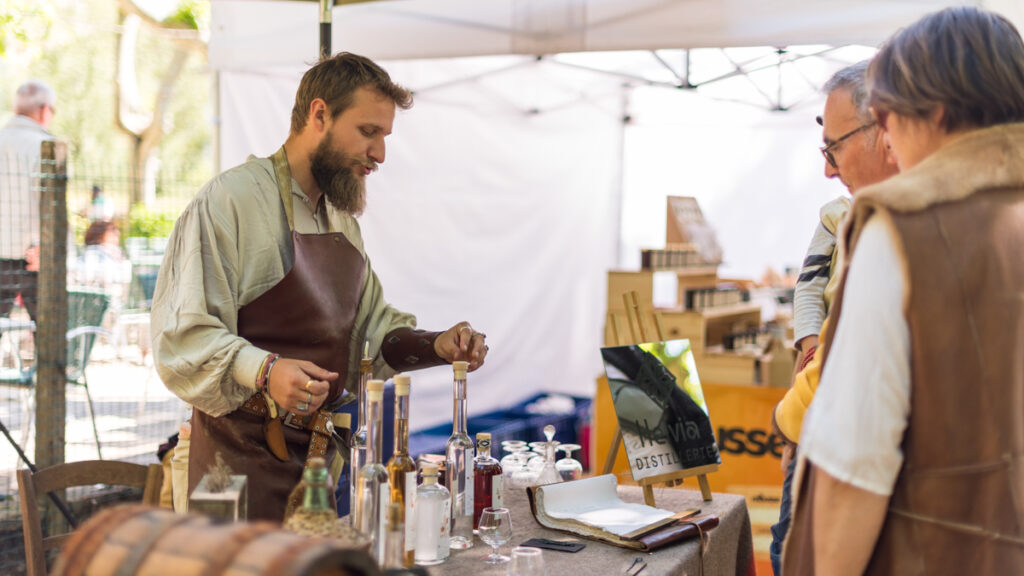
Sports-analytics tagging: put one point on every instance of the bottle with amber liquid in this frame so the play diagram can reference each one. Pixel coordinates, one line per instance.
(488, 482)
(402, 470)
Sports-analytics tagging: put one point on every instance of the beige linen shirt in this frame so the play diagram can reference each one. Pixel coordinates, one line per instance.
(20, 141)
(229, 246)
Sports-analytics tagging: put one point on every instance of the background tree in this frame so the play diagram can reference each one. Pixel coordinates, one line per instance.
(74, 46)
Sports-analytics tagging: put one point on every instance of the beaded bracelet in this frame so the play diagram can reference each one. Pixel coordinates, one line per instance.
(263, 380)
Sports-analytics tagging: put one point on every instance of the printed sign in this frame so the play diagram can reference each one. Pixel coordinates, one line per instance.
(660, 407)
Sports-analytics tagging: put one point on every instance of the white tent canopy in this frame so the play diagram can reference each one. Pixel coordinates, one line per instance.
(261, 34)
(514, 184)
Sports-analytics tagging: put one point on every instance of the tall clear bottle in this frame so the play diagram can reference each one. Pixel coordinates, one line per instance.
(433, 506)
(488, 482)
(459, 455)
(402, 469)
(357, 443)
(373, 493)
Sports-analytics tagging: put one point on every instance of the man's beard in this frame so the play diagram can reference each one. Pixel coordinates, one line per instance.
(337, 180)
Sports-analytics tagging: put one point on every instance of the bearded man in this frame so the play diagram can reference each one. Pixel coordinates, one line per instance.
(266, 297)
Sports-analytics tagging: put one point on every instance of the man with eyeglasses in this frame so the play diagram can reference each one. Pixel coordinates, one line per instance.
(20, 144)
(855, 154)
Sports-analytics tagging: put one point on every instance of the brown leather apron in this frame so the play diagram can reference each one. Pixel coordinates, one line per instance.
(308, 315)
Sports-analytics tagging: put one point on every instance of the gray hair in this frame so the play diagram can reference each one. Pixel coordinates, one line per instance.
(854, 79)
(33, 95)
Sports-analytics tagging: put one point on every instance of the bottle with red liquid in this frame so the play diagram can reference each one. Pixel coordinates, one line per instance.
(488, 481)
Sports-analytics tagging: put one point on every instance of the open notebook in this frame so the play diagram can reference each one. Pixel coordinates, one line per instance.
(592, 508)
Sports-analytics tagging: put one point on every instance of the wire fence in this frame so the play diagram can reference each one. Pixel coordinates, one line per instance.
(80, 249)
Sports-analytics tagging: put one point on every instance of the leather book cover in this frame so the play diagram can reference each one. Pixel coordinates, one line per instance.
(587, 522)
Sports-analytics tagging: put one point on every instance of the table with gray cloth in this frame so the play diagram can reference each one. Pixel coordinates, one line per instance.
(730, 545)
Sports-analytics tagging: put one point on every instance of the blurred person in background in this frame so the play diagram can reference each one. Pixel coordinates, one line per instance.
(20, 142)
(912, 454)
(103, 264)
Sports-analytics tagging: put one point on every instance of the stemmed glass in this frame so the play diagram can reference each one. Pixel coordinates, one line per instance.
(526, 561)
(495, 529)
(569, 468)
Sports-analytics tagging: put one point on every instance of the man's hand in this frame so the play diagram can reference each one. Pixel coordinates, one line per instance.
(461, 342)
(299, 386)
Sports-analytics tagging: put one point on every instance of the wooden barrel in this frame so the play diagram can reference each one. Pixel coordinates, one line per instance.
(138, 540)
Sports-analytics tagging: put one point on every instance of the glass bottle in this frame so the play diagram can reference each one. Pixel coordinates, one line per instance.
(402, 468)
(357, 443)
(394, 539)
(548, 473)
(488, 482)
(433, 506)
(316, 516)
(459, 454)
(373, 494)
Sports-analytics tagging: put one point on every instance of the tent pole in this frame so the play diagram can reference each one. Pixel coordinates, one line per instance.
(325, 28)
(620, 177)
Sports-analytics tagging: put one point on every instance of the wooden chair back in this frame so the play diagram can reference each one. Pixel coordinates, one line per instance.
(33, 487)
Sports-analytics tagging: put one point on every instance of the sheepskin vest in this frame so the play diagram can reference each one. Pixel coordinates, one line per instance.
(958, 221)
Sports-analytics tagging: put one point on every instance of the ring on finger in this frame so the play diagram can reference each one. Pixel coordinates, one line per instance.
(309, 398)
(465, 327)
(308, 384)
(302, 406)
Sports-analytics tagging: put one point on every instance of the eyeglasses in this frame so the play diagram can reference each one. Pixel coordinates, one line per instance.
(826, 151)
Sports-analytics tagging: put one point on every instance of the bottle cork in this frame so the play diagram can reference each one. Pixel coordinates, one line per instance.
(429, 472)
(375, 390)
(460, 368)
(402, 382)
(342, 420)
(483, 439)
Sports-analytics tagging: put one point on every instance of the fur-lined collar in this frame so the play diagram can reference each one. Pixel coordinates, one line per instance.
(981, 159)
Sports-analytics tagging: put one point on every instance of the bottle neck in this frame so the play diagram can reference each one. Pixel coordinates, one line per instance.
(373, 431)
(459, 406)
(364, 377)
(315, 497)
(483, 449)
(401, 425)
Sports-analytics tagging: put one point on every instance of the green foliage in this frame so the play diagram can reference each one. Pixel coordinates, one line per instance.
(76, 54)
(23, 24)
(191, 14)
(146, 223)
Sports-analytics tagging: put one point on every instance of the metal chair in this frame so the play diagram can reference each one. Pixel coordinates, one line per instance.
(85, 313)
(32, 487)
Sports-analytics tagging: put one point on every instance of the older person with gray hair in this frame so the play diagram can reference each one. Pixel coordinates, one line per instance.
(855, 154)
(912, 454)
(20, 144)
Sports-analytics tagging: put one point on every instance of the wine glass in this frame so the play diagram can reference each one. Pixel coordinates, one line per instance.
(515, 449)
(569, 467)
(495, 529)
(526, 561)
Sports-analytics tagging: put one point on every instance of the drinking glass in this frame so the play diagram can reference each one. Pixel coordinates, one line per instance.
(526, 561)
(495, 529)
(569, 468)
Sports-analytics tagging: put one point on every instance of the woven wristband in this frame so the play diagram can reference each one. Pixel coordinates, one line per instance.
(263, 381)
